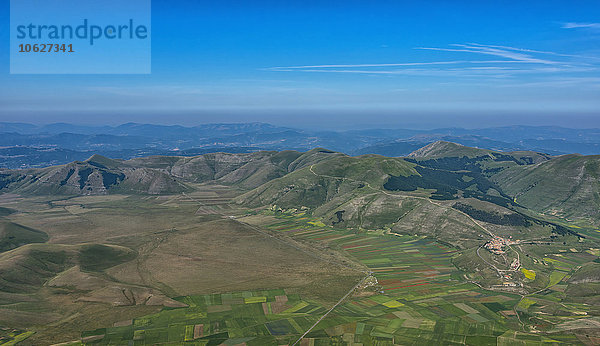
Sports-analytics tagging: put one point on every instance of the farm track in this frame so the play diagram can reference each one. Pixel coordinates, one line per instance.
(310, 253)
(144, 254)
(332, 308)
(288, 242)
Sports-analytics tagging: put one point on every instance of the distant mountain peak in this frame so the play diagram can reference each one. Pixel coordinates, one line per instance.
(102, 161)
(447, 149)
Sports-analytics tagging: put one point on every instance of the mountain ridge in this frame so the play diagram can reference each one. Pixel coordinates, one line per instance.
(446, 170)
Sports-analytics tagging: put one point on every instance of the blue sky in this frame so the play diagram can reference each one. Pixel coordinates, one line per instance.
(340, 63)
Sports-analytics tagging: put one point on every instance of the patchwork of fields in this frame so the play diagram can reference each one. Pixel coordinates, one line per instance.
(251, 317)
(418, 297)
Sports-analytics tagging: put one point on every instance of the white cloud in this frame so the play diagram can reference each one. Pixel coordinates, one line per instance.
(453, 62)
(534, 51)
(575, 25)
(513, 62)
(367, 65)
(495, 51)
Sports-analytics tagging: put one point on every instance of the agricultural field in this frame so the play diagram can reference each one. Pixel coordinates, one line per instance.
(417, 275)
(413, 294)
(254, 317)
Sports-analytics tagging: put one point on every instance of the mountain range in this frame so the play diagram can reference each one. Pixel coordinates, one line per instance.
(565, 186)
(27, 145)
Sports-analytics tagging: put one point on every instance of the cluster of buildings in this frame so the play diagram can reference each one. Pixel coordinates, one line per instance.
(497, 244)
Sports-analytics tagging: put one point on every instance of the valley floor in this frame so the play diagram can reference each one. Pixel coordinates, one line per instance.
(195, 268)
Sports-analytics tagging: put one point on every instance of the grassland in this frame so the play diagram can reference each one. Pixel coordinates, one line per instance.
(116, 257)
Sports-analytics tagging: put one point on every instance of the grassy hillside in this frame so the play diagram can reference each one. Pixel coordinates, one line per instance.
(97, 175)
(443, 149)
(158, 174)
(317, 184)
(25, 269)
(567, 186)
(13, 235)
(349, 192)
(343, 178)
(447, 149)
(244, 170)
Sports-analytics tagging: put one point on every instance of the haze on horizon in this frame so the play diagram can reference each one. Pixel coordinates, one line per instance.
(340, 65)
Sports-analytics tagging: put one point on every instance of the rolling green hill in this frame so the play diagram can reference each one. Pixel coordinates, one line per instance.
(244, 170)
(459, 157)
(26, 268)
(13, 235)
(318, 184)
(442, 149)
(464, 172)
(567, 186)
(350, 192)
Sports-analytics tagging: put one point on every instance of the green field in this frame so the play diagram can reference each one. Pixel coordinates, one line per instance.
(419, 297)
(254, 317)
